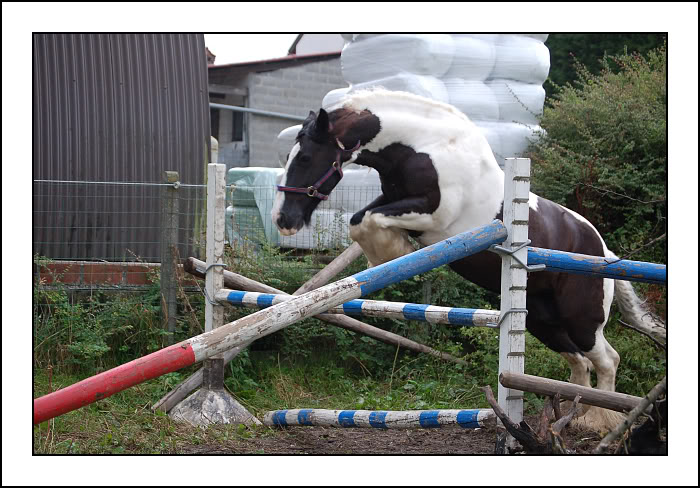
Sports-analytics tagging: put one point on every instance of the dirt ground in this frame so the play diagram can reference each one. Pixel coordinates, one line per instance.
(333, 440)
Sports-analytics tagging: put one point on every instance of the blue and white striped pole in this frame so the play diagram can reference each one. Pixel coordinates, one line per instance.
(378, 419)
(276, 317)
(618, 269)
(469, 317)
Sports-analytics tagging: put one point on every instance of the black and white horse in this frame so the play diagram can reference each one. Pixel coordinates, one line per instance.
(439, 177)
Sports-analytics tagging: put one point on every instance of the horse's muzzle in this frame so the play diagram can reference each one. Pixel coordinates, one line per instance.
(285, 225)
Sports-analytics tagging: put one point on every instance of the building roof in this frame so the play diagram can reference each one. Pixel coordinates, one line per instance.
(286, 59)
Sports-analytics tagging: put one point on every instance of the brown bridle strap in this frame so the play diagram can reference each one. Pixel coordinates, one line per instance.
(312, 191)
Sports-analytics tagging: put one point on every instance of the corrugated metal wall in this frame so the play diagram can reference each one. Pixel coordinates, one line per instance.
(115, 108)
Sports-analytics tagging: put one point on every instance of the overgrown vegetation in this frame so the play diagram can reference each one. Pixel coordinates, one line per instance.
(85, 332)
(566, 50)
(604, 155)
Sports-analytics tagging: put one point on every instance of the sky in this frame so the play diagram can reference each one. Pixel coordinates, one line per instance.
(238, 48)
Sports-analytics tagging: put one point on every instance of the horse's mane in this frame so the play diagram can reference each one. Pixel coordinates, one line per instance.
(378, 97)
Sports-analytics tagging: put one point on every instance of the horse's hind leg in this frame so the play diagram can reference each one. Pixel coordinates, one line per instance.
(605, 361)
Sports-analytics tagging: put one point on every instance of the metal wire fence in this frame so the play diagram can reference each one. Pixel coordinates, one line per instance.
(105, 281)
(127, 227)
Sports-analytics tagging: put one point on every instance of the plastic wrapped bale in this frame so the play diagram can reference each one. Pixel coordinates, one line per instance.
(474, 98)
(473, 58)
(508, 139)
(521, 58)
(328, 229)
(359, 187)
(251, 200)
(423, 85)
(492, 132)
(333, 98)
(284, 143)
(386, 55)
(244, 227)
(539, 37)
(518, 101)
(516, 138)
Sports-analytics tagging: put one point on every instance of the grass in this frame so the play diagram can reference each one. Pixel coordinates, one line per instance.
(266, 380)
(307, 365)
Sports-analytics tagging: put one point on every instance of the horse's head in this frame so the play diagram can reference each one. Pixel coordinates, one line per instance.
(313, 170)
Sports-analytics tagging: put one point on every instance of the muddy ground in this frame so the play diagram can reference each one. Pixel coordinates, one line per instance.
(333, 441)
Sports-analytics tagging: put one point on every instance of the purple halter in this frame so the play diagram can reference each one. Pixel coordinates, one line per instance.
(312, 191)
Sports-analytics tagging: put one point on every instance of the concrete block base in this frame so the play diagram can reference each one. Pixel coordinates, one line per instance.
(212, 404)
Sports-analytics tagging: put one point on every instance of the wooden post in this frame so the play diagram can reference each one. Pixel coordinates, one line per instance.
(353, 252)
(513, 288)
(214, 280)
(168, 254)
(620, 402)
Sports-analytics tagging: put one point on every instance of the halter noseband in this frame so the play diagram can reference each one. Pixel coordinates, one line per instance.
(312, 191)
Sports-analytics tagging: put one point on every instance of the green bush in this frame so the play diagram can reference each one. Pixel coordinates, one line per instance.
(604, 154)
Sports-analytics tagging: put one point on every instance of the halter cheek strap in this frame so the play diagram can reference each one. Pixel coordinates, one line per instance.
(312, 191)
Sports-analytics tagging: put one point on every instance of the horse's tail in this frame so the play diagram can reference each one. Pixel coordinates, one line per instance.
(634, 310)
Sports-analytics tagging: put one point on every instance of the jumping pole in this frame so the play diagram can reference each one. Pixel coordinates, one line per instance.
(380, 419)
(265, 322)
(467, 317)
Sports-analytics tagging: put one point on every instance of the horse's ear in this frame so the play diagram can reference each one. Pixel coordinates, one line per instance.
(322, 123)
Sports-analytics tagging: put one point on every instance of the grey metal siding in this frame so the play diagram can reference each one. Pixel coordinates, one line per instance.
(115, 108)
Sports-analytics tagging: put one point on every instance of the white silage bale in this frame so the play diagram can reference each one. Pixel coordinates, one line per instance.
(515, 138)
(474, 98)
(473, 58)
(423, 85)
(521, 58)
(492, 134)
(333, 97)
(508, 139)
(327, 229)
(285, 141)
(359, 187)
(389, 54)
(539, 37)
(518, 101)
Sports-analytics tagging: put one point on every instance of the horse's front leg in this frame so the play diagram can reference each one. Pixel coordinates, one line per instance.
(382, 227)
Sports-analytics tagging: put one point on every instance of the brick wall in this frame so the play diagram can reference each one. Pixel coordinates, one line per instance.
(87, 273)
(295, 91)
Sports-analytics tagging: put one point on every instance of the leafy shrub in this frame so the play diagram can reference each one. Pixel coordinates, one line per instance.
(604, 153)
(84, 332)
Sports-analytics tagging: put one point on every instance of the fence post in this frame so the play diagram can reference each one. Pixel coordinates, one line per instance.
(513, 290)
(168, 253)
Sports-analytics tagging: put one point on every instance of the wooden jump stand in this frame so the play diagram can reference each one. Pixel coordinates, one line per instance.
(212, 404)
